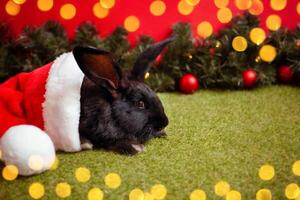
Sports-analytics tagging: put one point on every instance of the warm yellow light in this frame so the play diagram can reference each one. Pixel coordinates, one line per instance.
(158, 191)
(273, 22)
(131, 23)
(45, 5)
(136, 194)
(243, 4)
(204, 29)
(257, 7)
(224, 15)
(221, 3)
(36, 190)
(278, 4)
(68, 11)
(95, 194)
(239, 43)
(12, 8)
(184, 8)
(292, 191)
(107, 3)
(222, 188)
(100, 11)
(10, 172)
(233, 195)
(198, 195)
(266, 172)
(82, 174)
(264, 194)
(257, 35)
(192, 2)
(63, 190)
(54, 164)
(157, 8)
(112, 180)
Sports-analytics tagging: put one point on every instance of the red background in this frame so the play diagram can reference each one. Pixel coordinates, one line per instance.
(155, 26)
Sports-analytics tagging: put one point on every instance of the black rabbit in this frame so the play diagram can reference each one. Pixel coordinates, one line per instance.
(119, 111)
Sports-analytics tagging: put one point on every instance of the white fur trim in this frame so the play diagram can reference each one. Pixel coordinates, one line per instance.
(61, 109)
(21, 143)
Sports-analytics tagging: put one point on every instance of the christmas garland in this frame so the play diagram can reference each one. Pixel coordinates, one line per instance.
(238, 56)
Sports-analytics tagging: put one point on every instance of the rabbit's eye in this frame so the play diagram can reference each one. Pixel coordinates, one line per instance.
(140, 104)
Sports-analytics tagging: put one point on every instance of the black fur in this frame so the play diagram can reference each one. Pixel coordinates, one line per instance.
(121, 111)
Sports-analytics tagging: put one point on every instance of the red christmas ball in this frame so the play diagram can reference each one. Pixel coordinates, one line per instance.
(158, 59)
(188, 84)
(285, 73)
(249, 78)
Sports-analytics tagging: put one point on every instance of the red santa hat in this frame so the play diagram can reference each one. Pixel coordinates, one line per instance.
(39, 112)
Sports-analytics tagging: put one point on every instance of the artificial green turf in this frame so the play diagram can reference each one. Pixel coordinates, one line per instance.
(212, 136)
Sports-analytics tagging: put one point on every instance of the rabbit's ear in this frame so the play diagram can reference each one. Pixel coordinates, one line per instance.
(142, 64)
(98, 66)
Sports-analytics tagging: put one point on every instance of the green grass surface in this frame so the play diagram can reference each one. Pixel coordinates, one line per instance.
(212, 136)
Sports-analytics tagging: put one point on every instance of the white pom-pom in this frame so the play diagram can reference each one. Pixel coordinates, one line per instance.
(28, 148)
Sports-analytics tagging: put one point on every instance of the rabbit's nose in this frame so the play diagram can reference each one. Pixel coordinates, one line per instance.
(162, 122)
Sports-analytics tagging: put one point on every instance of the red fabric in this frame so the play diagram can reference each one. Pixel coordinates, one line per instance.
(21, 99)
(157, 27)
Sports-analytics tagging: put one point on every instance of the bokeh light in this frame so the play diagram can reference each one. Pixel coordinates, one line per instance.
(298, 8)
(36, 190)
(82, 174)
(224, 15)
(158, 191)
(148, 196)
(136, 194)
(131, 23)
(193, 2)
(222, 188)
(198, 195)
(19, 1)
(63, 190)
(233, 195)
(292, 191)
(100, 11)
(45, 5)
(12, 8)
(157, 8)
(273, 22)
(239, 43)
(267, 172)
(243, 4)
(278, 4)
(257, 7)
(68, 11)
(55, 164)
(184, 8)
(204, 29)
(107, 3)
(221, 3)
(95, 194)
(10, 172)
(257, 35)
(263, 194)
(35, 162)
(296, 168)
(112, 180)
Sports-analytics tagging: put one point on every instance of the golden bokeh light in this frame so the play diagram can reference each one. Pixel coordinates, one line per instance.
(10, 172)
(198, 195)
(204, 29)
(239, 43)
(136, 194)
(243, 4)
(222, 188)
(184, 8)
(233, 195)
(95, 194)
(273, 22)
(157, 8)
(158, 191)
(36, 190)
(68, 11)
(266, 53)
(55, 164)
(193, 2)
(100, 11)
(221, 3)
(292, 191)
(147, 75)
(278, 4)
(12, 8)
(263, 194)
(296, 168)
(35, 162)
(148, 196)
(82, 174)
(113, 180)
(63, 190)
(19, 1)
(224, 15)
(298, 8)
(45, 5)
(257, 7)
(131, 23)
(257, 35)
(107, 3)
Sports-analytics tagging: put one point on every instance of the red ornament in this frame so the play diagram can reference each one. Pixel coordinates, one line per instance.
(212, 51)
(285, 73)
(158, 59)
(249, 78)
(188, 84)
